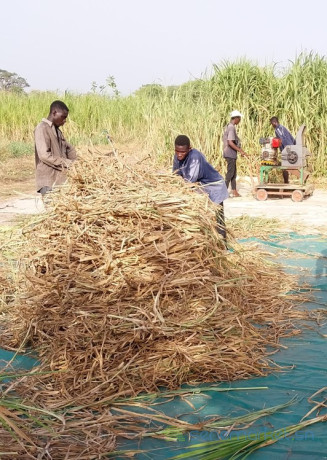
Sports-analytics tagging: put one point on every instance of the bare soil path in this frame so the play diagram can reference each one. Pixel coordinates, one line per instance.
(309, 216)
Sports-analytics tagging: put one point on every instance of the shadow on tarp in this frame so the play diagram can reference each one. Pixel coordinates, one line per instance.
(304, 355)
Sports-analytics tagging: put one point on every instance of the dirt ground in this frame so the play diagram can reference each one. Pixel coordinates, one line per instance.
(308, 216)
(18, 198)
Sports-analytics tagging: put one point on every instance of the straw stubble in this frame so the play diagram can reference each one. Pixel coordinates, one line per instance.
(128, 287)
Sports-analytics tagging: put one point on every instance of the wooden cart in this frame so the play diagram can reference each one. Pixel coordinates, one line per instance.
(296, 191)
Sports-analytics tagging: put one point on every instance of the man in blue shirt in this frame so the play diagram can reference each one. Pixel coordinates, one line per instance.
(282, 133)
(286, 139)
(193, 167)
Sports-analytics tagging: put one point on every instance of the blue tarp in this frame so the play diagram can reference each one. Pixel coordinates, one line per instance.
(306, 356)
(11, 362)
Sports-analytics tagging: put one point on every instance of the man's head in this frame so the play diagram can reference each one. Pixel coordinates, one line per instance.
(182, 147)
(58, 113)
(235, 117)
(274, 121)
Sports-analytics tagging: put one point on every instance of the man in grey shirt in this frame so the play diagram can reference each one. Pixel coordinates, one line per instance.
(232, 146)
(53, 154)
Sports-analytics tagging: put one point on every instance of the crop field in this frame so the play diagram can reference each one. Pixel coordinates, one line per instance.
(154, 115)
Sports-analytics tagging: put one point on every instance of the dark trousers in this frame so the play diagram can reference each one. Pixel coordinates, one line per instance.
(45, 190)
(231, 173)
(285, 176)
(220, 218)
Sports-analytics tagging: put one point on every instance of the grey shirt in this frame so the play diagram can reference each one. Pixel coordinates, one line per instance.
(230, 135)
(53, 155)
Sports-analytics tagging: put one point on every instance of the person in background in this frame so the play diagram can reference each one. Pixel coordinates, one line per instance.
(231, 147)
(53, 154)
(193, 167)
(286, 139)
(282, 133)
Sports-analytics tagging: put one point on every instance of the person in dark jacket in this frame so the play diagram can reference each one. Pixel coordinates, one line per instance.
(192, 165)
(286, 139)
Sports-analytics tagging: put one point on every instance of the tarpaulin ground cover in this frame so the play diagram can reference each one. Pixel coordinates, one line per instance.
(305, 355)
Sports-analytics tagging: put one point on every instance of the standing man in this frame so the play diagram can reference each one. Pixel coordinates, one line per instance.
(232, 145)
(193, 167)
(286, 139)
(282, 133)
(53, 154)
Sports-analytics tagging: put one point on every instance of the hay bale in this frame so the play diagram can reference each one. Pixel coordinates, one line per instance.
(128, 287)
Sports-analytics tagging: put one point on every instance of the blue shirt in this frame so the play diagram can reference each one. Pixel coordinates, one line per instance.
(195, 168)
(285, 136)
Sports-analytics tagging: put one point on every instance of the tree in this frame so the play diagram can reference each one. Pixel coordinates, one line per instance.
(109, 86)
(12, 82)
(156, 91)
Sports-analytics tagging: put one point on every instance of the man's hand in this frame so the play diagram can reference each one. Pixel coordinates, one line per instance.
(67, 163)
(243, 154)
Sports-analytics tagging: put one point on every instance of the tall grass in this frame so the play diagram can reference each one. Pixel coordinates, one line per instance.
(198, 108)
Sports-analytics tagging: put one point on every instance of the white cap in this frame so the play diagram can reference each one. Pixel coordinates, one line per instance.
(235, 113)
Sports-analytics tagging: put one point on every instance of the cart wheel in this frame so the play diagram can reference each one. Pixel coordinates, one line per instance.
(297, 196)
(261, 194)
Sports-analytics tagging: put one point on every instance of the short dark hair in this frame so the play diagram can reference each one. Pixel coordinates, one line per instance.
(274, 119)
(182, 140)
(58, 105)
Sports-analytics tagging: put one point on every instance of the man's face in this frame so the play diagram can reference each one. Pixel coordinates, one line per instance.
(275, 123)
(59, 117)
(182, 151)
(237, 120)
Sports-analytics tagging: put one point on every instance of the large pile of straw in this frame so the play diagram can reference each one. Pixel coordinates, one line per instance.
(128, 287)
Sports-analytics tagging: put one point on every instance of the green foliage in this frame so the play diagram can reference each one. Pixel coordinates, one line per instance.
(108, 88)
(19, 149)
(241, 447)
(12, 82)
(15, 149)
(199, 108)
(152, 90)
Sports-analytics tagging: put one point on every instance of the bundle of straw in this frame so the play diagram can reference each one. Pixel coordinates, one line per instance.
(7, 287)
(128, 287)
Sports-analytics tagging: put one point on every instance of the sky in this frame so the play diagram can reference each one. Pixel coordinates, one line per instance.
(68, 44)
